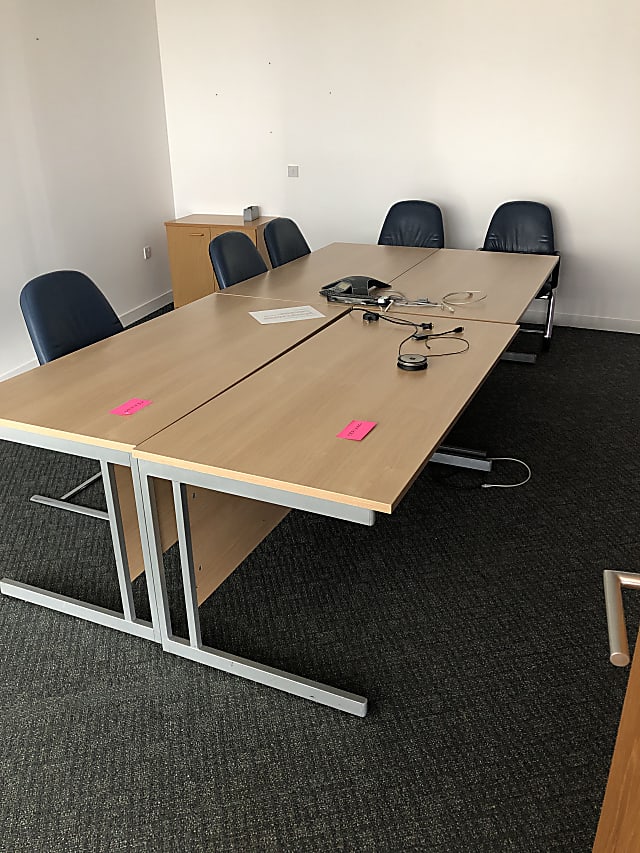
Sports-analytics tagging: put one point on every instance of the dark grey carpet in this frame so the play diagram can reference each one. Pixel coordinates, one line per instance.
(473, 620)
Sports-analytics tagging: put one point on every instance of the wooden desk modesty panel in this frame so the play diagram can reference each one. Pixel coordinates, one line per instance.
(188, 241)
(179, 361)
(302, 279)
(234, 445)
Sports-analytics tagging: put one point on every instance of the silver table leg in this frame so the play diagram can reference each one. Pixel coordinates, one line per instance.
(63, 502)
(127, 621)
(193, 649)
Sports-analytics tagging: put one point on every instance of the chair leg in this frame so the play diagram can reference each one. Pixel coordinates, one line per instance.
(546, 331)
(548, 326)
(64, 502)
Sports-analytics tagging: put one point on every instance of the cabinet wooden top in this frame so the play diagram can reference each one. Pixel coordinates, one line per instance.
(217, 219)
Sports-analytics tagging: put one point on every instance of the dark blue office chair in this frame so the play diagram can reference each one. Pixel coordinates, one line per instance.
(413, 223)
(64, 312)
(527, 227)
(234, 258)
(284, 241)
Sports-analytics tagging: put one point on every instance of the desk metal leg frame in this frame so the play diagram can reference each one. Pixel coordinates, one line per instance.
(127, 621)
(193, 649)
(63, 502)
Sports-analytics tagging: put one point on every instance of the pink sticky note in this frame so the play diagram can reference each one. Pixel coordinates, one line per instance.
(356, 430)
(130, 407)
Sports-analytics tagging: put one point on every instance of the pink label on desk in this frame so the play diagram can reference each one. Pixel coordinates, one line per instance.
(356, 430)
(130, 407)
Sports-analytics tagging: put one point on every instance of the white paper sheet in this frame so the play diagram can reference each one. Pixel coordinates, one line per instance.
(286, 315)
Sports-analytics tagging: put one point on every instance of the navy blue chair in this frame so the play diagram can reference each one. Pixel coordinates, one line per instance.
(64, 311)
(284, 241)
(413, 223)
(234, 258)
(527, 227)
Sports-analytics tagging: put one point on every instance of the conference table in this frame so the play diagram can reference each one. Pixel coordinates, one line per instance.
(176, 361)
(203, 462)
(507, 282)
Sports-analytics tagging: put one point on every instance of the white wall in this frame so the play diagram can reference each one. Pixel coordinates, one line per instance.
(84, 161)
(464, 103)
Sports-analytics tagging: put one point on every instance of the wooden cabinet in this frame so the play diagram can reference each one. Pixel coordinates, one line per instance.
(188, 240)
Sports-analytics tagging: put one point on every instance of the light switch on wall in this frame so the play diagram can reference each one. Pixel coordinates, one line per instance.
(292, 171)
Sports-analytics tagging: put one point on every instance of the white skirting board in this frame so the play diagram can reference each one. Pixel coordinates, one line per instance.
(536, 314)
(148, 308)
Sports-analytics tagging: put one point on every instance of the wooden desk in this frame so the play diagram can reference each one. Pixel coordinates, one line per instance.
(619, 825)
(188, 239)
(211, 372)
(178, 361)
(510, 281)
(308, 395)
(302, 279)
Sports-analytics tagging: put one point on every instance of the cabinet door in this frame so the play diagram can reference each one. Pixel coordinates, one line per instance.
(191, 272)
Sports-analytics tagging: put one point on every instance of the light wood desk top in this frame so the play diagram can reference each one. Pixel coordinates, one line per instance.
(178, 361)
(278, 427)
(215, 219)
(510, 281)
(302, 279)
(619, 826)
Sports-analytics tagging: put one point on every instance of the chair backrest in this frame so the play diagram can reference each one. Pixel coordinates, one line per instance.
(284, 241)
(234, 258)
(413, 223)
(521, 226)
(64, 312)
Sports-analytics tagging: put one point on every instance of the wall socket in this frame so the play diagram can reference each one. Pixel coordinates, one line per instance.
(146, 252)
(293, 171)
